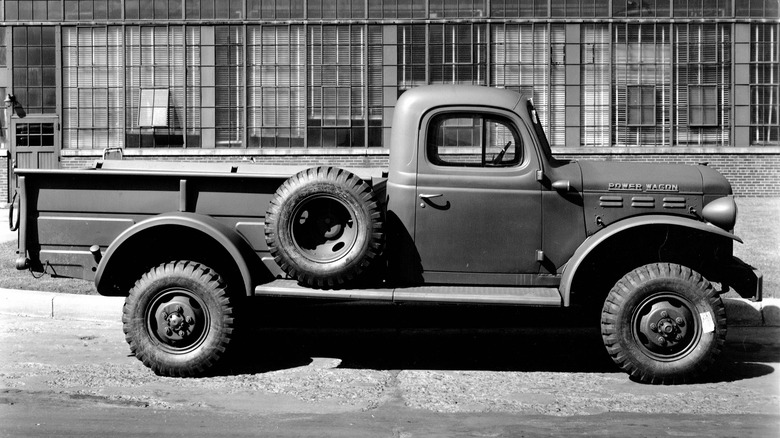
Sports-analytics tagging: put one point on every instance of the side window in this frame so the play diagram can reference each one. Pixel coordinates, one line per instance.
(473, 140)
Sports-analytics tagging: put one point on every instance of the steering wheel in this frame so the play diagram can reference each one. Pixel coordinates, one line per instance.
(497, 159)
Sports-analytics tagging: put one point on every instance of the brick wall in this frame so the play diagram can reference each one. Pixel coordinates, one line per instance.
(754, 175)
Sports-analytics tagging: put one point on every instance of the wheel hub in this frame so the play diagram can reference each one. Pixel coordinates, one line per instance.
(666, 326)
(323, 229)
(176, 321)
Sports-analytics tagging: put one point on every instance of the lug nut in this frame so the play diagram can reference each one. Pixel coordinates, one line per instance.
(168, 331)
(179, 309)
(165, 315)
(653, 327)
(679, 321)
(190, 320)
(661, 340)
(181, 333)
(678, 337)
(664, 314)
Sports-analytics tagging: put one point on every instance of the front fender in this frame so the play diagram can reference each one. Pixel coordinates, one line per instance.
(599, 237)
(240, 251)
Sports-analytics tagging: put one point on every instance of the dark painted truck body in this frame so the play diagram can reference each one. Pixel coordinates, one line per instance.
(473, 208)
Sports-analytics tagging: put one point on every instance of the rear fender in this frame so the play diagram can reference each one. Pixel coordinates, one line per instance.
(239, 250)
(590, 244)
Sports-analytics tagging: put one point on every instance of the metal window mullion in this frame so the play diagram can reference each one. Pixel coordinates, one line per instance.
(366, 85)
(427, 49)
(610, 84)
(123, 28)
(184, 75)
(243, 80)
(306, 73)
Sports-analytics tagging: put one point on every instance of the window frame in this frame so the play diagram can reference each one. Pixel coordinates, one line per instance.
(432, 150)
(641, 123)
(156, 114)
(699, 90)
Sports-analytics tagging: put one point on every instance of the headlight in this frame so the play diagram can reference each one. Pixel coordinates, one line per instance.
(721, 212)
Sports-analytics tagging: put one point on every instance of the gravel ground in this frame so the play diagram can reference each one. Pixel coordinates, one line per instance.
(88, 362)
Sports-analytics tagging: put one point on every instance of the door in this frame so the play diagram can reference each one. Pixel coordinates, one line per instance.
(35, 142)
(478, 212)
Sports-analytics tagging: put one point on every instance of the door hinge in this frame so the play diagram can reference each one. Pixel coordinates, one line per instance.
(539, 255)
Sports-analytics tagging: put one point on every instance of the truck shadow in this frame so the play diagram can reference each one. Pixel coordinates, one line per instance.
(440, 337)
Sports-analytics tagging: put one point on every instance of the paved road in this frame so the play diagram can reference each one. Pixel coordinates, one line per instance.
(367, 370)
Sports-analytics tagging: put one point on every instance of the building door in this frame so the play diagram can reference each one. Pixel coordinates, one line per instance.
(35, 142)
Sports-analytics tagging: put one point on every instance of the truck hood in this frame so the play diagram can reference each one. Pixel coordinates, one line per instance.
(619, 177)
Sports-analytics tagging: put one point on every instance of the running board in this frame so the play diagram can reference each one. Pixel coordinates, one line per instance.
(532, 296)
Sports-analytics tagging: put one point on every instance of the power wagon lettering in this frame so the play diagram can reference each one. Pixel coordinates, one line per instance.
(639, 187)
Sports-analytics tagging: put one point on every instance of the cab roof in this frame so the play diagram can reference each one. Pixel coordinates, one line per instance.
(415, 103)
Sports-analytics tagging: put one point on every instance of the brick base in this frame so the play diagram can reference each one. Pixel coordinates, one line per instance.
(751, 175)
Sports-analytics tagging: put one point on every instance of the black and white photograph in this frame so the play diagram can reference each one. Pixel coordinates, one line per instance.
(390, 218)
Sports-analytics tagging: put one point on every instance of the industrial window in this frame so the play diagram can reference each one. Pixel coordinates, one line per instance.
(515, 9)
(92, 94)
(396, 9)
(277, 110)
(702, 84)
(375, 85)
(641, 105)
(411, 56)
(520, 57)
(702, 105)
(756, 8)
(205, 9)
(274, 9)
(229, 80)
(156, 10)
(457, 9)
(595, 106)
(706, 8)
(764, 85)
(153, 109)
(580, 8)
(92, 9)
(336, 9)
(336, 88)
(33, 10)
(154, 59)
(34, 68)
(634, 8)
(472, 140)
(641, 79)
(458, 54)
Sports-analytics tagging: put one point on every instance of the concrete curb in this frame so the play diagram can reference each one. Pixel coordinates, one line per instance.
(60, 306)
(740, 312)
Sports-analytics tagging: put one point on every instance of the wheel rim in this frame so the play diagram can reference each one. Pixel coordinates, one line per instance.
(665, 326)
(178, 321)
(323, 229)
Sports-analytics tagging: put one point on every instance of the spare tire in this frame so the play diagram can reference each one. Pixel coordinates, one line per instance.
(324, 227)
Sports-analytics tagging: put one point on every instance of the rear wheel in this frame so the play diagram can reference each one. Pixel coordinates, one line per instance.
(178, 319)
(663, 323)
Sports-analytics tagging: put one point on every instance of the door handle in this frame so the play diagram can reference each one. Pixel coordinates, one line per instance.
(430, 195)
(562, 186)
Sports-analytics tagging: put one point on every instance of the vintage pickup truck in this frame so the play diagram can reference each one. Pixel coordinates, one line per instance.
(474, 208)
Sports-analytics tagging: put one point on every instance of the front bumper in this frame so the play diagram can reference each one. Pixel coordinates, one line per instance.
(746, 280)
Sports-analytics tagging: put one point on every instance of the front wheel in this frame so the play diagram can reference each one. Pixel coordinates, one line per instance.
(178, 319)
(663, 323)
